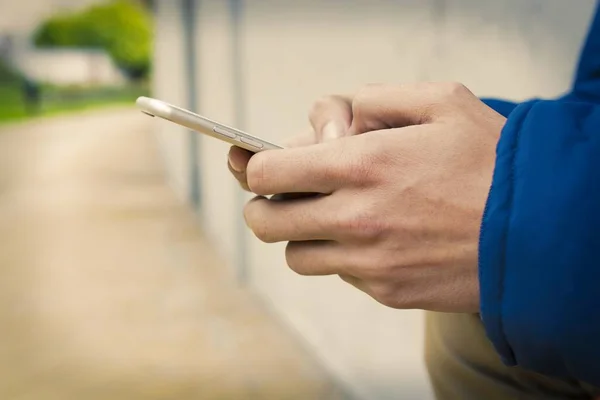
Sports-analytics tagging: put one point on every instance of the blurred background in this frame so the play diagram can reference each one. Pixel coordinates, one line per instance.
(126, 271)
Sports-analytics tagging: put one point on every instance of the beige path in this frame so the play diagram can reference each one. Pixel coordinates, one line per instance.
(108, 290)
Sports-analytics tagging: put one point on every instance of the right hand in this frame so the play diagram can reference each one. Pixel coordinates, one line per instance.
(330, 119)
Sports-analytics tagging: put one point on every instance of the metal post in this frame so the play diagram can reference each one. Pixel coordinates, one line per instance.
(189, 26)
(236, 10)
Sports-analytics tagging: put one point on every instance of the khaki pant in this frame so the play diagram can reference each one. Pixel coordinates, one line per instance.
(463, 365)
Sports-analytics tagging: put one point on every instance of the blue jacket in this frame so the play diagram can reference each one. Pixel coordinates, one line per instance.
(539, 262)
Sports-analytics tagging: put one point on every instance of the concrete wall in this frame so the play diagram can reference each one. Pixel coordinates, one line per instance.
(170, 85)
(216, 89)
(293, 52)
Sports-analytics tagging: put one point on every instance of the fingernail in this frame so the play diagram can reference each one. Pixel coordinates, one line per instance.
(331, 131)
(237, 167)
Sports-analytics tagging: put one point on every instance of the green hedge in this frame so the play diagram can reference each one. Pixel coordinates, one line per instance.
(122, 28)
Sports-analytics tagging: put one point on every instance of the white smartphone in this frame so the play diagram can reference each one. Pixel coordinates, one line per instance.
(198, 123)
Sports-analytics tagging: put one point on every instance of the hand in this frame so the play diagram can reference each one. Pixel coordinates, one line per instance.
(330, 118)
(400, 208)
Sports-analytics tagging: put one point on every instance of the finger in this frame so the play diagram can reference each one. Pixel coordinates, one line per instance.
(331, 117)
(310, 169)
(328, 257)
(237, 162)
(302, 219)
(306, 139)
(377, 107)
(316, 258)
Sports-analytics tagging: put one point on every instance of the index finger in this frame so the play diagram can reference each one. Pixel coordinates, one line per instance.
(310, 169)
(237, 159)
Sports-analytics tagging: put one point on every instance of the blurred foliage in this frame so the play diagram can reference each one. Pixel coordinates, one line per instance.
(8, 75)
(122, 28)
(60, 99)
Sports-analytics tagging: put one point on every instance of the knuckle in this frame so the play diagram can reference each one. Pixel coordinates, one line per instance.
(403, 297)
(386, 294)
(363, 223)
(452, 90)
(393, 296)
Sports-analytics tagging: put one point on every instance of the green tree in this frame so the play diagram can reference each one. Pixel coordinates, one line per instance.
(122, 28)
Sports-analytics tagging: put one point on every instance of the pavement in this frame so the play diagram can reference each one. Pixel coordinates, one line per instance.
(108, 288)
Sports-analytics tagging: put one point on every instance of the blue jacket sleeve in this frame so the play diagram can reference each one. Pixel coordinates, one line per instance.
(540, 241)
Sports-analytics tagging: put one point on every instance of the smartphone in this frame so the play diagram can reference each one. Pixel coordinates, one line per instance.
(198, 123)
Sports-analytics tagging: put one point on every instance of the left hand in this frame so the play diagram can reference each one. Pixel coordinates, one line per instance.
(400, 207)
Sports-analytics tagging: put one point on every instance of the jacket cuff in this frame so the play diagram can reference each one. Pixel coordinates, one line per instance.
(494, 230)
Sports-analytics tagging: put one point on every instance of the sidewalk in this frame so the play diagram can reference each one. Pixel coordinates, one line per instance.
(108, 290)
